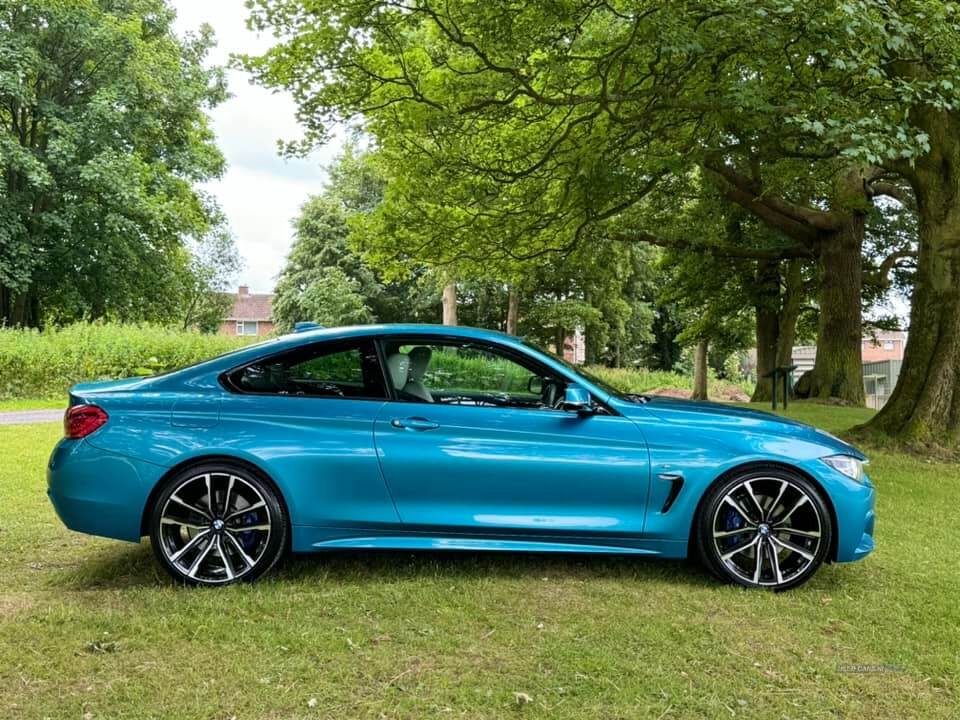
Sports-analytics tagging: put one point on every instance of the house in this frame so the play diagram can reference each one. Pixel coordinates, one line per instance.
(879, 379)
(251, 314)
(882, 357)
(575, 347)
(885, 345)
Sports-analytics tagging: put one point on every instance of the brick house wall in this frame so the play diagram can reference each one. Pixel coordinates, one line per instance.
(251, 314)
(886, 346)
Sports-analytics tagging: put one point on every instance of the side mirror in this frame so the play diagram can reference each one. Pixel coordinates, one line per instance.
(577, 399)
(535, 385)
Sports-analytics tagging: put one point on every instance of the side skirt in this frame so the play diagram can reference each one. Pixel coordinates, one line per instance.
(320, 539)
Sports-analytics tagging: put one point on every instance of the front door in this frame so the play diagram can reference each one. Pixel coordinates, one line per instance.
(475, 441)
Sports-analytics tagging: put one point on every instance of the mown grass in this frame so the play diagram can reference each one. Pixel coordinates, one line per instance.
(12, 405)
(90, 628)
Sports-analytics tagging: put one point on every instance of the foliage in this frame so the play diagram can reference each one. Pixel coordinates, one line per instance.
(103, 142)
(640, 381)
(326, 277)
(203, 301)
(45, 364)
(512, 134)
(330, 298)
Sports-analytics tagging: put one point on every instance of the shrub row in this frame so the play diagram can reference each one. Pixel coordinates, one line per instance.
(46, 364)
(645, 381)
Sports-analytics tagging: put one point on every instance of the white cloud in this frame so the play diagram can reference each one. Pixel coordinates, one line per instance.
(260, 193)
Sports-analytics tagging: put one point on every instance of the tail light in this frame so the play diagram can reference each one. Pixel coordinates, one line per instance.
(81, 420)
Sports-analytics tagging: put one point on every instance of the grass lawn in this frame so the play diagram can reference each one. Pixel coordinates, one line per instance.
(33, 404)
(91, 628)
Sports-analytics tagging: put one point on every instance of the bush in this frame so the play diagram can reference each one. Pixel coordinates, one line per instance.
(46, 364)
(645, 381)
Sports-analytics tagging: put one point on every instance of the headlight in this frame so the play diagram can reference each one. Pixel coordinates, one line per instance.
(847, 465)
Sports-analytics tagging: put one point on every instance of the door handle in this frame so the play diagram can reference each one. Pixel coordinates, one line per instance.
(414, 423)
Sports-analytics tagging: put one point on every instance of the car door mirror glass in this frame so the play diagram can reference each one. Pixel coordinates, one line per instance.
(535, 385)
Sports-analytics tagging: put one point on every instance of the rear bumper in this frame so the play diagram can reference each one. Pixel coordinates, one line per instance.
(98, 492)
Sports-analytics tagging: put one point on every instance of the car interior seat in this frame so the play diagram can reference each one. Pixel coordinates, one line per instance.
(398, 368)
(419, 362)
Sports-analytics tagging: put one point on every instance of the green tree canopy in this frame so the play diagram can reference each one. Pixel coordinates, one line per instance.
(103, 141)
(512, 130)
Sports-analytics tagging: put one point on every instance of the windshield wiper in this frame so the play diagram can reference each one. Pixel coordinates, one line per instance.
(637, 398)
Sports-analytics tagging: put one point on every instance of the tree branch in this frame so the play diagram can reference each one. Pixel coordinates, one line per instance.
(816, 219)
(880, 276)
(718, 250)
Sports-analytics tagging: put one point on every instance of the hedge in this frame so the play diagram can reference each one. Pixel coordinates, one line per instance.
(45, 364)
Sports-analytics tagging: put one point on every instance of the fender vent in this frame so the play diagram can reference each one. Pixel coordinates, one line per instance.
(676, 484)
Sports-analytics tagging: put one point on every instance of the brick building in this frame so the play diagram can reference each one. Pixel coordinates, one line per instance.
(251, 314)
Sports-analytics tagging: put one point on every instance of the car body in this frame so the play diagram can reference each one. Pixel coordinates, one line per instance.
(332, 427)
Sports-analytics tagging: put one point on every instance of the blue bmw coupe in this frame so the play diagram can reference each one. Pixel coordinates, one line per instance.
(428, 437)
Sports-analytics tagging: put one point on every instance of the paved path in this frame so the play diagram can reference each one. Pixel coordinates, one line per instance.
(25, 417)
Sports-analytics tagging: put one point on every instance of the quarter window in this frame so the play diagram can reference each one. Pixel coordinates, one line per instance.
(339, 369)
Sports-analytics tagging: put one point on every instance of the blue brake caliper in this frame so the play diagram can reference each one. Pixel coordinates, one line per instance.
(732, 521)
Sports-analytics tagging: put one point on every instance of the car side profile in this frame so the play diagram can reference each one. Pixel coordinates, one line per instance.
(429, 437)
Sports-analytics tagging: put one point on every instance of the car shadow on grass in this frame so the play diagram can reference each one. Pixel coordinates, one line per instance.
(130, 566)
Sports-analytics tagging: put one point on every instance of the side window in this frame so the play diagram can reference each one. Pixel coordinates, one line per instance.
(466, 373)
(332, 369)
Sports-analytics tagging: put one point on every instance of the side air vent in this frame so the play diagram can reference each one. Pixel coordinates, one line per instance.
(676, 483)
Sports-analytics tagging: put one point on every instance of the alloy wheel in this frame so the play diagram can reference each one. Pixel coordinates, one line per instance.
(767, 531)
(215, 528)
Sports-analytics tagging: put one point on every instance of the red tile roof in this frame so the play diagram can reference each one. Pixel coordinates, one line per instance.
(252, 306)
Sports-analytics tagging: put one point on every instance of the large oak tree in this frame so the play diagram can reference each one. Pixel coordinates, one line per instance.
(513, 129)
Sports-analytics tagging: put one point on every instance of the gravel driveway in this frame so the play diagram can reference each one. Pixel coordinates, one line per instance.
(25, 417)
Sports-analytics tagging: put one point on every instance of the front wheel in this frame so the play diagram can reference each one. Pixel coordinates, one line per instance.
(767, 527)
(217, 524)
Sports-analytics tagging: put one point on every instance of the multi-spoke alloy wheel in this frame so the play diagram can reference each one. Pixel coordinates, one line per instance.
(767, 528)
(217, 524)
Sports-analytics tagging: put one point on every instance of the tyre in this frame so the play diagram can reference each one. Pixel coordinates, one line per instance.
(766, 527)
(217, 524)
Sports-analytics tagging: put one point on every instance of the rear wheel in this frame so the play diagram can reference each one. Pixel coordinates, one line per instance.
(217, 524)
(768, 527)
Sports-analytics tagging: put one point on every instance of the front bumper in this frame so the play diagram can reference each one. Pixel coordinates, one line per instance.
(856, 518)
(97, 492)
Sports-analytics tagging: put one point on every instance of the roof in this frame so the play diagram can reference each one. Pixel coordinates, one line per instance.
(252, 306)
(881, 336)
(400, 329)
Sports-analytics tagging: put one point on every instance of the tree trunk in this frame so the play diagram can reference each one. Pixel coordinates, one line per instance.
(925, 405)
(838, 368)
(767, 305)
(513, 310)
(700, 370)
(450, 303)
(777, 317)
(790, 312)
(559, 341)
(20, 309)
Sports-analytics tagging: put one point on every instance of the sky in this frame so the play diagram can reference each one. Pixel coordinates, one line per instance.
(260, 192)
